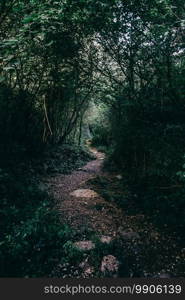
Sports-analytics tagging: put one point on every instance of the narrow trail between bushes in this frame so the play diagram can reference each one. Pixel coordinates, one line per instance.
(93, 201)
(77, 201)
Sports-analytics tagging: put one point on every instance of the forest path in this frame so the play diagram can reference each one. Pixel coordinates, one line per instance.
(80, 207)
(95, 202)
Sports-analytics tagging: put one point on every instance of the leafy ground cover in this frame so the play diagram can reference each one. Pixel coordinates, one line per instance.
(32, 237)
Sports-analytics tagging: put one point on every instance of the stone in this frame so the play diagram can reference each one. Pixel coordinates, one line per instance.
(84, 263)
(84, 193)
(89, 270)
(84, 245)
(110, 265)
(105, 239)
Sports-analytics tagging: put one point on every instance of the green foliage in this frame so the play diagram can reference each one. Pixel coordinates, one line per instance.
(65, 158)
(100, 126)
(32, 236)
(72, 253)
(142, 69)
(44, 57)
(19, 123)
(100, 136)
(56, 58)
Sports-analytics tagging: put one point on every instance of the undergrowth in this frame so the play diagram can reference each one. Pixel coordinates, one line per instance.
(32, 238)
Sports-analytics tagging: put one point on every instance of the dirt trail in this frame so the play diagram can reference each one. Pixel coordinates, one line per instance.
(81, 212)
(85, 210)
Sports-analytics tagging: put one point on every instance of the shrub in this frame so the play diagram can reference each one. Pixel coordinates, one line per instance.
(32, 237)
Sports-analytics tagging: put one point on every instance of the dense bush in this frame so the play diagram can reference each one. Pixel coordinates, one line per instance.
(20, 124)
(32, 236)
(99, 123)
(149, 150)
(142, 82)
(100, 136)
(65, 158)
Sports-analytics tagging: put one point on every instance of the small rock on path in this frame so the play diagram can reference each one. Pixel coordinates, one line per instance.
(84, 193)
